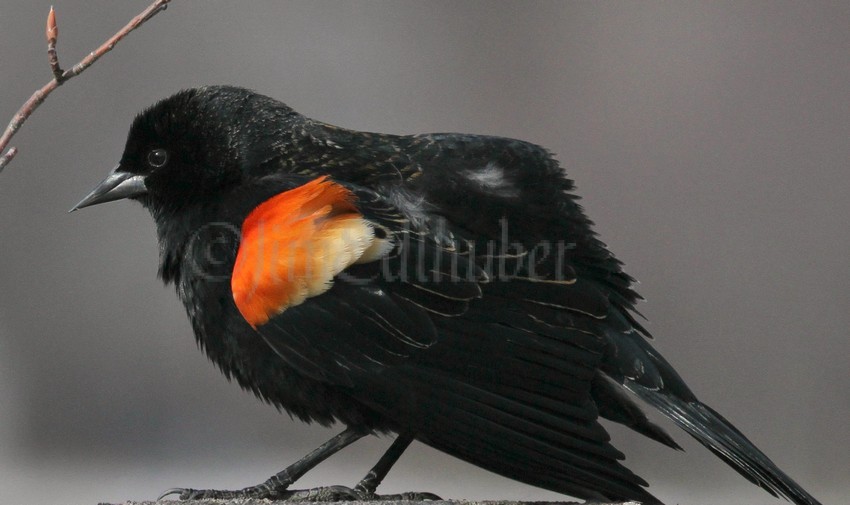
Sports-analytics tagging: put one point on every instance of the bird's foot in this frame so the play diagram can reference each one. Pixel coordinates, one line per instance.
(317, 494)
(259, 492)
(344, 493)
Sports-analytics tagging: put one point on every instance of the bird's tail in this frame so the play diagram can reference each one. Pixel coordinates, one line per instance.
(724, 440)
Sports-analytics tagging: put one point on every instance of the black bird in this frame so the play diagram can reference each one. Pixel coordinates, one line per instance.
(445, 287)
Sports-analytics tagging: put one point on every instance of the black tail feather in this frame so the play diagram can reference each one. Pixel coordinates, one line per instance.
(724, 440)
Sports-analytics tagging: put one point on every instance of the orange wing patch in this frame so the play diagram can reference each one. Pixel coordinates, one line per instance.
(293, 245)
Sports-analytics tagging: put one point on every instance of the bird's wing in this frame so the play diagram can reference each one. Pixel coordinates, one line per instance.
(513, 381)
(522, 196)
(495, 369)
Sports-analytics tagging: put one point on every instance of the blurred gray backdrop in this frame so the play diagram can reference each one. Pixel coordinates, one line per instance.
(710, 141)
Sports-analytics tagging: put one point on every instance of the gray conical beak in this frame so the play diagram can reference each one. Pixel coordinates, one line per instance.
(116, 186)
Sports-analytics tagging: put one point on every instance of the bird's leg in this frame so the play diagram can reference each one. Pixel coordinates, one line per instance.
(373, 479)
(276, 486)
(367, 486)
(365, 489)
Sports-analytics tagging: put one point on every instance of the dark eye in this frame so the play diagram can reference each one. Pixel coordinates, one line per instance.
(157, 158)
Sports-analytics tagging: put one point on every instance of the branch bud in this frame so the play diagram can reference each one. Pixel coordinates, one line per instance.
(52, 31)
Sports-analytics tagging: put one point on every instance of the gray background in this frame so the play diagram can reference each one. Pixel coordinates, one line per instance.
(709, 140)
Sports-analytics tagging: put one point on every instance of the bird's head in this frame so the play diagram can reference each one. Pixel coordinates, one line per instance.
(193, 145)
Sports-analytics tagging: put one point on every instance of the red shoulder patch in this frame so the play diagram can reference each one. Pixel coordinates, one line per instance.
(293, 244)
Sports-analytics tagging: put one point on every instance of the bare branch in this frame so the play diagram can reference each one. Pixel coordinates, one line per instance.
(60, 76)
(8, 156)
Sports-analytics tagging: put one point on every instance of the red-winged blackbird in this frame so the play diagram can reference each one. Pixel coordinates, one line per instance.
(444, 287)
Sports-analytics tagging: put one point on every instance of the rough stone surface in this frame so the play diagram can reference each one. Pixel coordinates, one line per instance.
(252, 501)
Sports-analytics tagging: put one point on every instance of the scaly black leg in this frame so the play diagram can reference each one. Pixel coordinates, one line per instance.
(276, 486)
(365, 489)
(367, 486)
(373, 479)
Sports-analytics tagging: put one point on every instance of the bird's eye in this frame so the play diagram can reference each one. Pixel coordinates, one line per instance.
(157, 158)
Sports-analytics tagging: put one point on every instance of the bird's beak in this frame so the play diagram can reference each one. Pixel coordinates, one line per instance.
(116, 186)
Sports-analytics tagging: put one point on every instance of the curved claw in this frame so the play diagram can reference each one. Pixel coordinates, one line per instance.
(184, 494)
(417, 496)
(175, 490)
(408, 496)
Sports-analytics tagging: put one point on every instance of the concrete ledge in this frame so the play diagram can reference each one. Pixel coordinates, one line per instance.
(252, 501)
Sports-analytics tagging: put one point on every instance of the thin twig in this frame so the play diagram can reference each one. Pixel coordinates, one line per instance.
(6, 158)
(60, 76)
